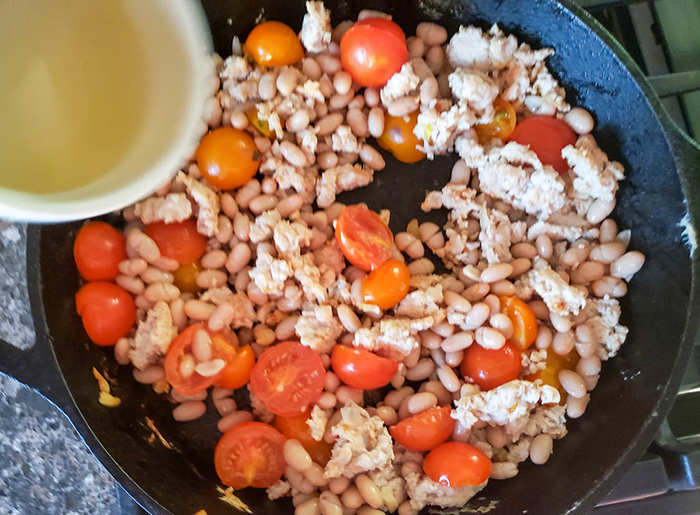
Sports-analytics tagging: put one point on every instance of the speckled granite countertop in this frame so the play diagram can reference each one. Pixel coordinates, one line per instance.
(44, 466)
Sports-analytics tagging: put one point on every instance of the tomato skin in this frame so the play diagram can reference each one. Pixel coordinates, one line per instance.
(227, 158)
(107, 310)
(363, 237)
(546, 136)
(179, 241)
(178, 347)
(424, 431)
(186, 277)
(98, 249)
(457, 464)
(273, 43)
(555, 364)
(524, 322)
(362, 369)
(296, 428)
(399, 139)
(240, 363)
(387, 284)
(502, 126)
(250, 454)
(287, 378)
(490, 368)
(372, 52)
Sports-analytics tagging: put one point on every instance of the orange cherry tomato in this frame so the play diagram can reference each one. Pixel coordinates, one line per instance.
(250, 454)
(296, 428)
(424, 431)
(555, 364)
(503, 123)
(239, 364)
(107, 310)
(546, 136)
(457, 464)
(386, 285)
(227, 158)
(373, 50)
(490, 368)
(272, 43)
(287, 378)
(399, 139)
(261, 125)
(363, 237)
(186, 277)
(362, 369)
(524, 322)
(97, 251)
(179, 241)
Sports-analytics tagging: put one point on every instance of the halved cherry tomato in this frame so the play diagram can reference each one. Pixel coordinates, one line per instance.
(296, 427)
(546, 137)
(457, 464)
(179, 241)
(239, 363)
(490, 368)
(97, 250)
(503, 123)
(399, 139)
(287, 378)
(107, 310)
(261, 125)
(272, 43)
(250, 454)
(524, 322)
(424, 431)
(363, 237)
(362, 369)
(555, 364)
(373, 50)
(386, 285)
(227, 158)
(180, 347)
(186, 277)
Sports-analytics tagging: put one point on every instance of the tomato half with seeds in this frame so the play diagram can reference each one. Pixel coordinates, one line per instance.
(250, 454)
(387, 284)
(524, 322)
(273, 43)
(372, 50)
(546, 136)
(227, 158)
(98, 249)
(288, 377)
(399, 139)
(107, 310)
(239, 364)
(362, 369)
(363, 237)
(490, 368)
(296, 428)
(179, 241)
(424, 431)
(457, 464)
(502, 125)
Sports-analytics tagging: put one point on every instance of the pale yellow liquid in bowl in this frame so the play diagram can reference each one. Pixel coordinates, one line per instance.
(73, 92)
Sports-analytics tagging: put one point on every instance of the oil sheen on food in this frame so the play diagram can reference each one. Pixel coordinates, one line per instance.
(72, 92)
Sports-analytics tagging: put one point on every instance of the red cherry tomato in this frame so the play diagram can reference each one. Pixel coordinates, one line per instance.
(107, 310)
(362, 369)
(287, 378)
(546, 136)
(250, 454)
(296, 428)
(179, 241)
(524, 322)
(424, 431)
(457, 464)
(97, 251)
(363, 237)
(490, 368)
(373, 50)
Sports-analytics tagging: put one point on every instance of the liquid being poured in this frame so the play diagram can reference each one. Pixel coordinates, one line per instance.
(72, 92)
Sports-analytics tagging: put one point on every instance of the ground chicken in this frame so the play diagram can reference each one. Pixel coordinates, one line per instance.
(264, 225)
(318, 328)
(557, 231)
(235, 70)
(475, 88)
(606, 328)
(495, 235)
(280, 489)
(317, 422)
(391, 486)
(290, 238)
(259, 408)
(302, 180)
(153, 336)
(314, 283)
(420, 303)
(316, 28)
(423, 491)
(208, 202)
(311, 91)
(596, 177)
(174, 207)
(393, 337)
(269, 274)
(400, 84)
(438, 126)
(307, 140)
(343, 140)
(560, 297)
(459, 198)
(341, 178)
(533, 361)
(330, 256)
(470, 47)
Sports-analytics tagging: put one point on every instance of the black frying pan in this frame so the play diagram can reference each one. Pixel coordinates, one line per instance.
(636, 388)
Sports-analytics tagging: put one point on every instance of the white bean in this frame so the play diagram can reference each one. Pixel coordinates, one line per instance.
(188, 411)
(579, 120)
(431, 33)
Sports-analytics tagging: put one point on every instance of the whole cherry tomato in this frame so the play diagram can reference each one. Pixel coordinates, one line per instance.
(490, 368)
(107, 310)
(227, 158)
(272, 43)
(98, 250)
(457, 464)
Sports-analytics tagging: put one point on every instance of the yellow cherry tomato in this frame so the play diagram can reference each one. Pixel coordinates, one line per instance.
(186, 277)
(272, 43)
(228, 158)
(502, 126)
(524, 322)
(386, 285)
(261, 125)
(398, 138)
(555, 364)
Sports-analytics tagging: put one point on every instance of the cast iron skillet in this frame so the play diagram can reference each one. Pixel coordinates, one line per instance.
(636, 388)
